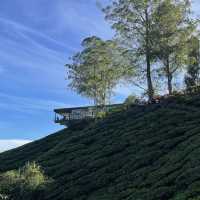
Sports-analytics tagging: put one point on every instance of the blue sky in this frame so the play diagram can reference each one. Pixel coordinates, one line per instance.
(36, 39)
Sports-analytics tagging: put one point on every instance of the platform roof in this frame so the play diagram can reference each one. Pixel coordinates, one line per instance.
(68, 110)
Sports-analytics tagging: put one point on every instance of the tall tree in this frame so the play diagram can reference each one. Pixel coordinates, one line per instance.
(132, 19)
(192, 78)
(96, 70)
(173, 29)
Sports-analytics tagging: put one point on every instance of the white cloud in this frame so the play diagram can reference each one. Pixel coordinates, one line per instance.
(11, 144)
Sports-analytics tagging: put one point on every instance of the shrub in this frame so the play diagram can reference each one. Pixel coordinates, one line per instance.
(131, 99)
(27, 183)
(101, 114)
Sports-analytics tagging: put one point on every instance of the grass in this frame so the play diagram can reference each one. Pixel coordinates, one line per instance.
(146, 153)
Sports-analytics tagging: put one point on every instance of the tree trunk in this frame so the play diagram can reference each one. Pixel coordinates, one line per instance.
(148, 59)
(169, 77)
(149, 81)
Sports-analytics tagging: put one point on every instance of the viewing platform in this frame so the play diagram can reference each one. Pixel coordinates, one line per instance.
(67, 116)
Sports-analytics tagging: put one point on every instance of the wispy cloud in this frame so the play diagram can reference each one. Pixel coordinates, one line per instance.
(32, 48)
(28, 105)
(83, 18)
(20, 28)
(26, 51)
(11, 144)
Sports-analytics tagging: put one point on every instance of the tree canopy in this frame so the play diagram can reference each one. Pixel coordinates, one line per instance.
(154, 42)
(133, 21)
(192, 77)
(173, 28)
(96, 70)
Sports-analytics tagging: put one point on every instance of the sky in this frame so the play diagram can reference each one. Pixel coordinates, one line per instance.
(37, 37)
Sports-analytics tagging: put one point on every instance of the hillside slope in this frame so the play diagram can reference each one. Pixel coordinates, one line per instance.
(147, 153)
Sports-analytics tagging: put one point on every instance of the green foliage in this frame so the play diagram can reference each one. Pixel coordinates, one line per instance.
(26, 183)
(101, 114)
(96, 70)
(133, 22)
(131, 99)
(172, 30)
(192, 77)
(155, 31)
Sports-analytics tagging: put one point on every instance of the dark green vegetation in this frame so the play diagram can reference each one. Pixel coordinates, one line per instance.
(147, 153)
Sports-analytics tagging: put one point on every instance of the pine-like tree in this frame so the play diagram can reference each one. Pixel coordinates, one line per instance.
(192, 78)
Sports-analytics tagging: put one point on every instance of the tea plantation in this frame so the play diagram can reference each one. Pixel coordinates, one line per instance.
(149, 152)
